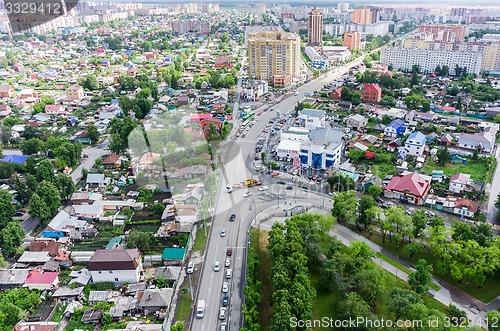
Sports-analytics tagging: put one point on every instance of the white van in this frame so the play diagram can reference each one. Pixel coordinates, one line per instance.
(200, 309)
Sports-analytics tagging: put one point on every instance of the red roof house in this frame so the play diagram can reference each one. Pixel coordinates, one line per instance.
(223, 61)
(412, 187)
(372, 93)
(41, 280)
(336, 94)
(197, 118)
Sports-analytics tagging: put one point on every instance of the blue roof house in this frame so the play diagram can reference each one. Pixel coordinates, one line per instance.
(414, 145)
(19, 159)
(395, 128)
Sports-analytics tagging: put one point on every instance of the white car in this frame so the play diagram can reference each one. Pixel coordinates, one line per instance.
(263, 188)
(225, 287)
(222, 313)
(228, 262)
(295, 93)
(223, 232)
(229, 273)
(190, 268)
(217, 266)
(223, 327)
(247, 194)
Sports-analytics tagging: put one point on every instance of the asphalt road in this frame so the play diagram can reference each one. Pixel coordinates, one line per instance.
(494, 191)
(236, 160)
(93, 154)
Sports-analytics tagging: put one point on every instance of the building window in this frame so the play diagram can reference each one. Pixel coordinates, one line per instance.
(116, 279)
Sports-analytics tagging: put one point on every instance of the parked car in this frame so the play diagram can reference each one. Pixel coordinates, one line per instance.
(289, 187)
(229, 273)
(430, 213)
(223, 327)
(247, 194)
(263, 188)
(225, 300)
(281, 182)
(225, 287)
(228, 262)
(222, 313)
(190, 268)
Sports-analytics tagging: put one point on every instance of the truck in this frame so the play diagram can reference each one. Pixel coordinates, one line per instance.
(200, 309)
(247, 183)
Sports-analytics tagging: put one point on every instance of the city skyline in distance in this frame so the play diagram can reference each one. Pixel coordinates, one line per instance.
(322, 3)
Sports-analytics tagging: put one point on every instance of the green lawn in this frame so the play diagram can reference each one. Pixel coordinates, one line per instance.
(201, 239)
(184, 307)
(479, 170)
(488, 292)
(58, 313)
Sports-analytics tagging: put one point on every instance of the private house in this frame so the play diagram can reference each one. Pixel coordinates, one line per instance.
(484, 141)
(80, 137)
(5, 110)
(28, 93)
(414, 145)
(55, 110)
(451, 204)
(355, 122)
(41, 280)
(311, 118)
(111, 161)
(155, 300)
(410, 187)
(189, 172)
(34, 258)
(116, 265)
(7, 91)
(223, 62)
(372, 93)
(458, 182)
(174, 255)
(12, 278)
(336, 94)
(35, 326)
(97, 180)
(92, 316)
(207, 123)
(394, 145)
(170, 273)
(395, 128)
(51, 247)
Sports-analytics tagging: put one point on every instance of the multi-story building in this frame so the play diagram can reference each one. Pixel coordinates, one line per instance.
(315, 27)
(343, 6)
(428, 60)
(352, 40)
(198, 26)
(365, 15)
(372, 93)
(274, 56)
(323, 149)
(378, 29)
(454, 32)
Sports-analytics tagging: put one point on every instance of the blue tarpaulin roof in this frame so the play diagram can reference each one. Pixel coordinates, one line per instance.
(14, 158)
(53, 234)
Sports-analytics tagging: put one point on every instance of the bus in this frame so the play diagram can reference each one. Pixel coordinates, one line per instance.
(245, 123)
(248, 115)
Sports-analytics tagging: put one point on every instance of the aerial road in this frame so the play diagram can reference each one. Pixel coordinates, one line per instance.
(235, 168)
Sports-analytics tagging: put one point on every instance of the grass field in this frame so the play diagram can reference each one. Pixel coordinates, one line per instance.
(184, 307)
(201, 239)
(479, 170)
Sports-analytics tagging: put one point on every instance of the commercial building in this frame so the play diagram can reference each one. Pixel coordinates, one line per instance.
(376, 29)
(352, 40)
(315, 27)
(448, 33)
(324, 148)
(365, 15)
(428, 60)
(274, 56)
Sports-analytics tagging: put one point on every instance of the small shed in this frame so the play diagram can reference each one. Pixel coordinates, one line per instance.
(174, 255)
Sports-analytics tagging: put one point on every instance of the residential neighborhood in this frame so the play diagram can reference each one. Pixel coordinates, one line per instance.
(248, 166)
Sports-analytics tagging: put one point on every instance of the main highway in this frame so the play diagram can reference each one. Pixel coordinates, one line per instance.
(236, 163)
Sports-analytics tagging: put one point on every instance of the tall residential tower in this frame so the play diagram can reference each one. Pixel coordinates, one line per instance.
(315, 27)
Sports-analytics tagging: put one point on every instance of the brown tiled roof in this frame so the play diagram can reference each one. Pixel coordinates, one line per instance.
(111, 159)
(43, 246)
(115, 259)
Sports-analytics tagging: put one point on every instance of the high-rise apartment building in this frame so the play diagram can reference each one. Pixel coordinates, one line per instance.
(343, 6)
(365, 15)
(315, 27)
(274, 56)
(200, 27)
(352, 40)
(428, 60)
(444, 32)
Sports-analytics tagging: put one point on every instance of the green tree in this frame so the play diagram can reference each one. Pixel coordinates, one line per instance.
(6, 208)
(443, 156)
(375, 191)
(65, 185)
(39, 209)
(93, 133)
(45, 170)
(419, 220)
(420, 279)
(415, 79)
(353, 306)
(365, 203)
(50, 195)
(138, 239)
(401, 301)
(179, 326)
(11, 237)
(32, 146)
(7, 169)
